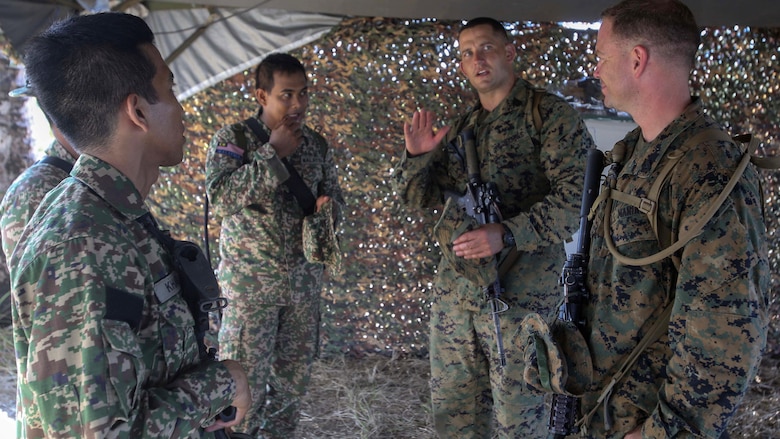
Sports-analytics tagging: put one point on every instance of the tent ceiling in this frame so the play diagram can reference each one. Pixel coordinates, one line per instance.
(206, 41)
(760, 13)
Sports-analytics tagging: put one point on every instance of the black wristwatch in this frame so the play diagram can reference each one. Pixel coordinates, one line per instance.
(509, 238)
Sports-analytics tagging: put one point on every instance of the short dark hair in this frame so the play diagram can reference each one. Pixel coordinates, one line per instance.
(81, 70)
(276, 62)
(666, 26)
(492, 22)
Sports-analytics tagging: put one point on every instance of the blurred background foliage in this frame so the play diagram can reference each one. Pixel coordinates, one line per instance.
(366, 77)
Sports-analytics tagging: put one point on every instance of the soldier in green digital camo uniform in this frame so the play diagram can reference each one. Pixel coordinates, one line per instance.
(272, 325)
(688, 382)
(105, 344)
(22, 198)
(27, 191)
(539, 175)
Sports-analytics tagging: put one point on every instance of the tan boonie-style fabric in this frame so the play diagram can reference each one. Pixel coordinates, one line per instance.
(320, 242)
(557, 359)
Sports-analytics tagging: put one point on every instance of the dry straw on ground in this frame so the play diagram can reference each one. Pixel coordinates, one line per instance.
(379, 397)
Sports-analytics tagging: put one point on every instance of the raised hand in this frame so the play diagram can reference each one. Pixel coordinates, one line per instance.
(286, 136)
(419, 134)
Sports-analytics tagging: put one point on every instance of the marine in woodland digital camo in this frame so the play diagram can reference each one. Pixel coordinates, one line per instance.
(268, 243)
(538, 172)
(691, 378)
(104, 340)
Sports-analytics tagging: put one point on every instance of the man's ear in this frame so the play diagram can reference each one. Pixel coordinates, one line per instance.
(136, 110)
(639, 58)
(261, 96)
(511, 52)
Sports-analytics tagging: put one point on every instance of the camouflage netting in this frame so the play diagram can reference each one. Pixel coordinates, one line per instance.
(366, 77)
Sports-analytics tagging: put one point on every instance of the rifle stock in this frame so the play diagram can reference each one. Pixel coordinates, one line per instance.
(565, 408)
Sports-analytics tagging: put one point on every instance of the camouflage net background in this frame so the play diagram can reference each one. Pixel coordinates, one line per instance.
(366, 77)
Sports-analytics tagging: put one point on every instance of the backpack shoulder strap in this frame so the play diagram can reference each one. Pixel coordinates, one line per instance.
(769, 163)
(238, 130)
(538, 93)
(661, 325)
(649, 204)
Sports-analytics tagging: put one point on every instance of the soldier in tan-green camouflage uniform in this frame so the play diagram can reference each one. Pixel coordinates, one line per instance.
(272, 325)
(105, 342)
(539, 175)
(29, 188)
(690, 380)
(22, 198)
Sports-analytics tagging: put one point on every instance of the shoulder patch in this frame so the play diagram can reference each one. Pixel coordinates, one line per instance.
(230, 150)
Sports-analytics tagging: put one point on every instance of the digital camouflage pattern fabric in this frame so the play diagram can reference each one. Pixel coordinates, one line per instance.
(690, 381)
(539, 182)
(26, 192)
(104, 340)
(22, 198)
(263, 271)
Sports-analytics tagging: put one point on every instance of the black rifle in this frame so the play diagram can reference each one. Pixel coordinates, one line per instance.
(565, 408)
(201, 291)
(481, 202)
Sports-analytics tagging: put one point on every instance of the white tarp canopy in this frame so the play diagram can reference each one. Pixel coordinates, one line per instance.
(760, 13)
(206, 41)
(203, 45)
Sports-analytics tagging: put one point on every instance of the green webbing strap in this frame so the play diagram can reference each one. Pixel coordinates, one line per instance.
(58, 162)
(661, 325)
(238, 131)
(656, 331)
(536, 113)
(698, 223)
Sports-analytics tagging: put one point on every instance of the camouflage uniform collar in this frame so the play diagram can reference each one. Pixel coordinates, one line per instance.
(57, 150)
(645, 160)
(111, 185)
(260, 119)
(517, 97)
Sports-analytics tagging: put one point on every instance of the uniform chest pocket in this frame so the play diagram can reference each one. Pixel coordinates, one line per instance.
(125, 365)
(310, 170)
(631, 231)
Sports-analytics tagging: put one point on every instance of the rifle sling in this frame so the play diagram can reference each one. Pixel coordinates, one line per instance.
(294, 183)
(58, 162)
(508, 262)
